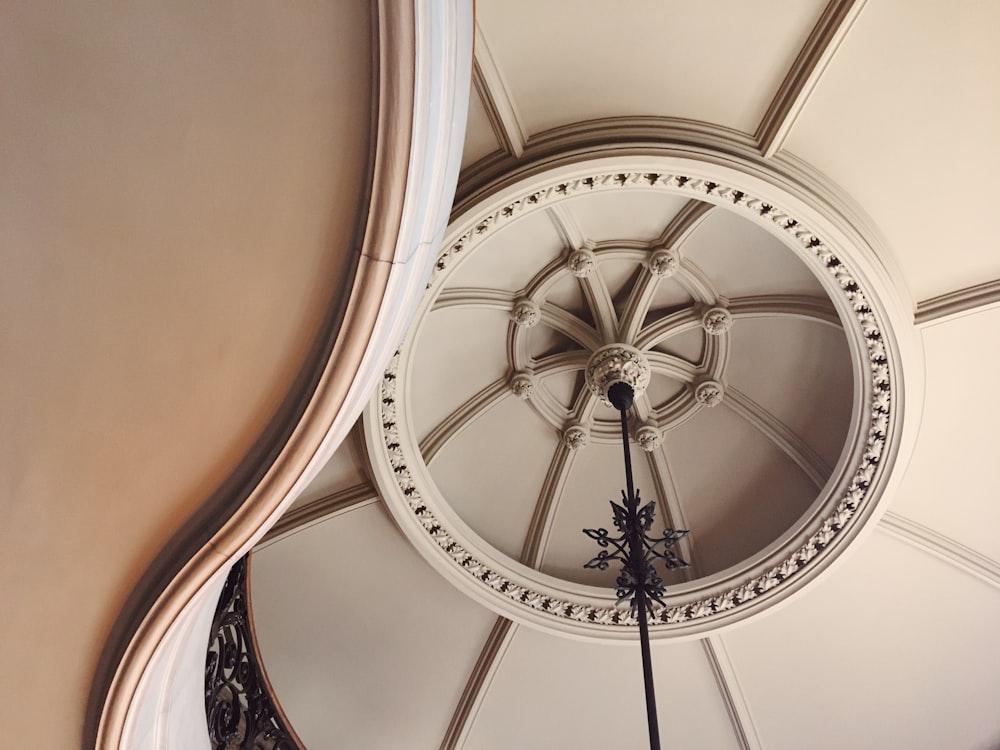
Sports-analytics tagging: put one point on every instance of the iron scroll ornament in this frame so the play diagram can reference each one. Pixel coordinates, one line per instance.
(239, 708)
(636, 550)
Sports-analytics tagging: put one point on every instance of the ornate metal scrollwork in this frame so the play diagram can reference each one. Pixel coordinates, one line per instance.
(636, 550)
(239, 707)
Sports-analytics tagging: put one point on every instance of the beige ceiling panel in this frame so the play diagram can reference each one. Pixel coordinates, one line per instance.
(598, 477)
(480, 140)
(181, 189)
(718, 62)
(491, 475)
(895, 649)
(461, 350)
(640, 216)
(799, 371)
(556, 693)
(366, 646)
(738, 491)
(905, 120)
(509, 258)
(744, 260)
(950, 483)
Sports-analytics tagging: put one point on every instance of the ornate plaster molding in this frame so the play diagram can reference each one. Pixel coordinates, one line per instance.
(716, 321)
(846, 266)
(709, 393)
(617, 363)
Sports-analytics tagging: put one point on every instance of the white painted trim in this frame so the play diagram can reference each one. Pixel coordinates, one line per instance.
(732, 693)
(496, 98)
(478, 684)
(819, 49)
(955, 304)
(943, 547)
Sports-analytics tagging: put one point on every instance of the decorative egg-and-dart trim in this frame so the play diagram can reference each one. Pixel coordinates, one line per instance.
(852, 493)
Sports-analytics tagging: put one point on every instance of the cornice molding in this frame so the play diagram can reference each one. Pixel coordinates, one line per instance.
(791, 97)
(945, 307)
(943, 547)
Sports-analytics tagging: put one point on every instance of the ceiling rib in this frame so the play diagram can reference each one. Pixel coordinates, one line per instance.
(478, 683)
(462, 417)
(829, 32)
(818, 309)
(944, 547)
(732, 693)
(668, 496)
(672, 237)
(328, 506)
(567, 227)
(495, 96)
(542, 518)
(810, 462)
(683, 224)
(596, 292)
(947, 306)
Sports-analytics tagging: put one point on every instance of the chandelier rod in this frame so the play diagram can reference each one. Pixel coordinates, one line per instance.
(621, 396)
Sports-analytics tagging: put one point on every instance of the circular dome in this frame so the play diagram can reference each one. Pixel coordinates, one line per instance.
(493, 440)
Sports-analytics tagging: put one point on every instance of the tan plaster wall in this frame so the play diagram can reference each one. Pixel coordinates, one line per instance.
(179, 187)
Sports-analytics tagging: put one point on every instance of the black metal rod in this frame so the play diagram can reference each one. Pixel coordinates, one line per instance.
(637, 562)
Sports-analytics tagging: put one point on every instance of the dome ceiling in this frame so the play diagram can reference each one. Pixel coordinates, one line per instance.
(891, 644)
(525, 453)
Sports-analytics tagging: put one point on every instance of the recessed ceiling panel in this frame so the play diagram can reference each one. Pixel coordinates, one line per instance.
(911, 135)
(605, 217)
(719, 63)
(461, 351)
(898, 649)
(555, 693)
(480, 140)
(355, 629)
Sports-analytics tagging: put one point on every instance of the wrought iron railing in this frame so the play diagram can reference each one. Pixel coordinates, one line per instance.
(240, 706)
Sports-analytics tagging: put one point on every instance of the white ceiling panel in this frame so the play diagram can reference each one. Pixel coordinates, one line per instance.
(904, 119)
(480, 139)
(718, 62)
(950, 484)
(895, 649)
(554, 693)
(366, 646)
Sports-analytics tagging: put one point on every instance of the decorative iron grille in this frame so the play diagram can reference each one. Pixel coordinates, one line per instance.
(241, 712)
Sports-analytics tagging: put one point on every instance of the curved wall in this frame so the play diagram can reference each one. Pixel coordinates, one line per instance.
(182, 192)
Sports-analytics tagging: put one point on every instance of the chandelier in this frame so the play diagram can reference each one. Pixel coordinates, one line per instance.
(615, 373)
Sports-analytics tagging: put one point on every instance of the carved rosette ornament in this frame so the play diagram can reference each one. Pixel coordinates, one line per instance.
(581, 263)
(617, 363)
(709, 393)
(648, 438)
(716, 321)
(664, 263)
(522, 384)
(575, 437)
(525, 313)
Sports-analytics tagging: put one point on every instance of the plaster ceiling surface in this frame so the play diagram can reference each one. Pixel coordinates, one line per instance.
(890, 644)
